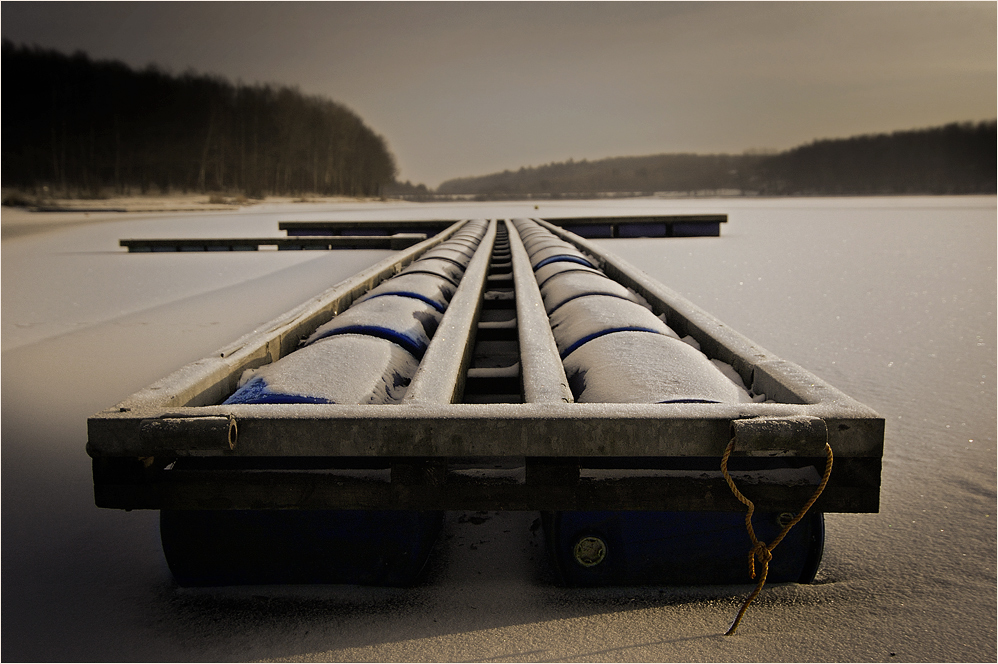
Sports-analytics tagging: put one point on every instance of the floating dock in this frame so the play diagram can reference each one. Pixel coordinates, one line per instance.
(393, 242)
(546, 374)
(662, 225)
(687, 225)
(395, 235)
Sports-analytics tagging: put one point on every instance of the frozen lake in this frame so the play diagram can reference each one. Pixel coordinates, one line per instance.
(891, 300)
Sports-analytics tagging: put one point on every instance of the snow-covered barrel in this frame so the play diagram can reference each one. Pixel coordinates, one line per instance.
(459, 241)
(456, 254)
(347, 368)
(430, 288)
(645, 367)
(438, 266)
(567, 286)
(406, 321)
(614, 349)
(588, 317)
(551, 254)
(544, 274)
(536, 243)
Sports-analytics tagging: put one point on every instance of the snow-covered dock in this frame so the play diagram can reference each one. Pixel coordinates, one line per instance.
(601, 226)
(401, 234)
(543, 425)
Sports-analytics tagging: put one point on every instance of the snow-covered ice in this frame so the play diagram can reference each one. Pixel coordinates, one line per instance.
(891, 300)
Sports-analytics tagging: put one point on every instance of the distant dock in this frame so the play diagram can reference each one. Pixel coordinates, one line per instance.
(398, 235)
(393, 242)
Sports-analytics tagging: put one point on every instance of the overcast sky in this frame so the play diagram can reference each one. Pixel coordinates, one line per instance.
(472, 88)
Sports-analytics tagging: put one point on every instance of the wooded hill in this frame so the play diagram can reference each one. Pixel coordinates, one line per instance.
(84, 127)
(953, 159)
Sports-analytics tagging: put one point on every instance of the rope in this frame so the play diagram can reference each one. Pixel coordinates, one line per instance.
(760, 551)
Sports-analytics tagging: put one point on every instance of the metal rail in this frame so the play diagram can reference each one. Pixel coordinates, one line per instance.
(440, 377)
(563, 455)
(543, 374)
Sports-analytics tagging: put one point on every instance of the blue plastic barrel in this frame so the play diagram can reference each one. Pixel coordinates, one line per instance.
(567, 286)
(676, 548)
(239, 547)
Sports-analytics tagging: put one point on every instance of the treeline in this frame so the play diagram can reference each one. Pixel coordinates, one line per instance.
(83, 127)
(954, 159)
(667, 172)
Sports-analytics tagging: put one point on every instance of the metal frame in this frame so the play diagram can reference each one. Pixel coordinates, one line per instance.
(545, 454)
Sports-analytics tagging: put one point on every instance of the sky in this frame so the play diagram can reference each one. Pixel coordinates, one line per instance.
(470, 88)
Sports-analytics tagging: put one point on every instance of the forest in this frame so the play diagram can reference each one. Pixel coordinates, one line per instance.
(85, 128)
(957, 158)
(76, 127)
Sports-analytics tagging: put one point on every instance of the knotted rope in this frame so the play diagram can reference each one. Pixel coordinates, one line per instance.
(760, 551)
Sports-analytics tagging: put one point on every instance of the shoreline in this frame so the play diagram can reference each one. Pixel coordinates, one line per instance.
(18, 222)
(56, 214)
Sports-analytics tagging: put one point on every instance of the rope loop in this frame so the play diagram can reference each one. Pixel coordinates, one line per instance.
(760, 551)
